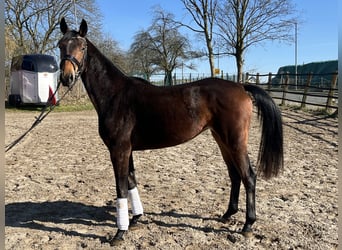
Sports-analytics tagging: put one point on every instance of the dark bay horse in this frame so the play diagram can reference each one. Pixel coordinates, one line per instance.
(134, 115)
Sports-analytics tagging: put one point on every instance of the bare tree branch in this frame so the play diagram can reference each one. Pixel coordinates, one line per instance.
(245, 23)
(203, 13)
(33, 23)
(162, 46)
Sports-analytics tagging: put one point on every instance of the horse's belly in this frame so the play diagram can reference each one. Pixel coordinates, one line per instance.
(165, 137)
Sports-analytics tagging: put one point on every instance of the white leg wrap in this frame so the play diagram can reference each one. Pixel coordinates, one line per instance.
(133, 195)
(122, 219)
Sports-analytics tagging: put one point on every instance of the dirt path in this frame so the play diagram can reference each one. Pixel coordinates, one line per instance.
(60, 189)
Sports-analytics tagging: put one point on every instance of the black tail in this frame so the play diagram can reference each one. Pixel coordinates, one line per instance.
(270, 159)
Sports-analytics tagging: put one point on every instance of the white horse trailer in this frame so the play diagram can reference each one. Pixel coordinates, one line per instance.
(33, 79)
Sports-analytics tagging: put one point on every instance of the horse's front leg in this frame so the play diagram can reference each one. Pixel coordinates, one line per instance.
(133, 195)
(120, 160)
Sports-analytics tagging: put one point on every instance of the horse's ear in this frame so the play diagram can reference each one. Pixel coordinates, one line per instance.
(83, 28)
(63, 26)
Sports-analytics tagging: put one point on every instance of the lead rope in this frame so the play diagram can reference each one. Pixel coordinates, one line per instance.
(45, 111)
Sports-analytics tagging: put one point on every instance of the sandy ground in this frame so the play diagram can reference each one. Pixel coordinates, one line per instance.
(60, 189)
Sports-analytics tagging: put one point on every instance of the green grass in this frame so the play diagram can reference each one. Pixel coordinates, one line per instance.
(74, 107)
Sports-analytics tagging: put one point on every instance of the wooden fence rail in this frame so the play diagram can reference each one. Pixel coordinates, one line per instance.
(303, 89)
(325, 96)
(314, 90)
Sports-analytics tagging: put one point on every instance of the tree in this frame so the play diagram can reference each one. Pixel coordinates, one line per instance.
(167, 47)
(33, 23)
(111, 49)
(203, 12)
(141, 55)
(244, 23)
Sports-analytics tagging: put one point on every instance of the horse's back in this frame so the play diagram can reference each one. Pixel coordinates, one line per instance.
(167, 116)
(216, 88)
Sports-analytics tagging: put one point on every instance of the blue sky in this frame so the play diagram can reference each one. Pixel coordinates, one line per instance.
(317, 33)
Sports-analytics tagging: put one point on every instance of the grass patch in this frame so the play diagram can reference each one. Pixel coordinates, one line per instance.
(74, 107)
(70, 107)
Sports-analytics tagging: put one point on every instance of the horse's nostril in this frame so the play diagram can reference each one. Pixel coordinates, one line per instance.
(71, 78)
(66, 79)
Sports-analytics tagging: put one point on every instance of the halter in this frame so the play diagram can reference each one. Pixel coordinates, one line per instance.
(75, 62)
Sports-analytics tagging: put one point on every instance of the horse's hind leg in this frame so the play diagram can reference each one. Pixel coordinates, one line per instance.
(234, 178)
(240, 169)
(133, 194)
(249, 181)
(234, 193)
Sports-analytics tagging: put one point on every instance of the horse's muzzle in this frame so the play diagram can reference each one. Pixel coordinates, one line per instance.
(70, 70)
(67, 79)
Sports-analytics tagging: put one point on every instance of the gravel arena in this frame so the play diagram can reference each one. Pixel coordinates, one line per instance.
(60, 189)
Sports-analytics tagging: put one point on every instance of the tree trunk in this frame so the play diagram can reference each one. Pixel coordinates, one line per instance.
(211, 56)
(239, 66)
(211, 61)
(168, 78)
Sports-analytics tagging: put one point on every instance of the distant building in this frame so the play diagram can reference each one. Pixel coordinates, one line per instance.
(322, 73)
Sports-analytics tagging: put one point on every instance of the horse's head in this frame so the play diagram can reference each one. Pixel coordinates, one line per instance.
(73, 52)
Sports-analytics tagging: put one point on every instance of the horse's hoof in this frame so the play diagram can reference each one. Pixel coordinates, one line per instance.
(247, 234)
(133, 225)
(117, 239)
(224, 219)
(116, 242)
(247, 231)
(135, 219)
(227, 215)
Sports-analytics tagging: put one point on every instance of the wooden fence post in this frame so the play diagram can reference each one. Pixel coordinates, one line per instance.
(285, 88)
(257, 80)
(269, 82)
(306, 89)
(331, 91)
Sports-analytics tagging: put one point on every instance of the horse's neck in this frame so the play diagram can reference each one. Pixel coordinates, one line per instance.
(101, 78)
